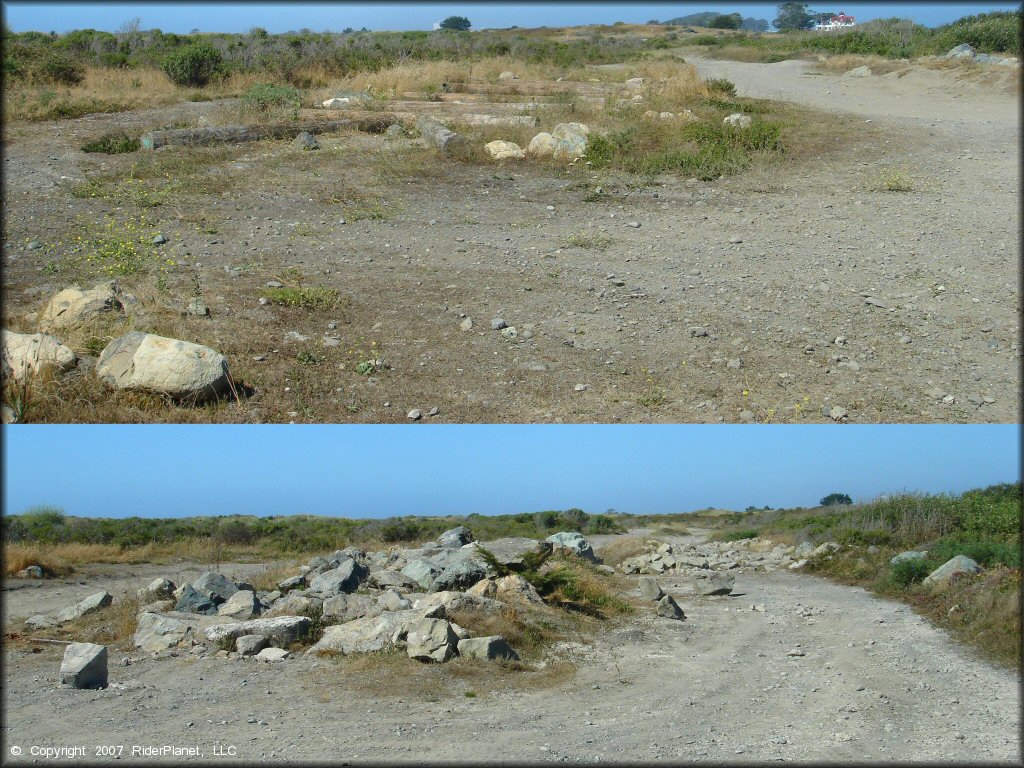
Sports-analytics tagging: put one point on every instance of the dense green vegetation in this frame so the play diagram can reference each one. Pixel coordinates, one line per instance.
(997, 32)
(287, 534)
(195, 59)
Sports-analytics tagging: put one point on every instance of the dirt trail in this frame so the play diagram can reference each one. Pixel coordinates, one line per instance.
(877, 683)
(914, 93)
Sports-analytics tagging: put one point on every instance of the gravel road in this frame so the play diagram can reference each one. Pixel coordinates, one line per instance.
(876, 682)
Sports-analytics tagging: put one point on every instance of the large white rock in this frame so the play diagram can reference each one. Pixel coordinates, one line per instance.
(942, 575)
(571, 140)
(738, 120)
(514, 588)
(242, 605)
(431, 640)
(487, 648)
(160, 631)
(74, 307)
(280, 629)
(504, 150)
(150, 363)
(574, 543)
(372, 633)
(91, 604)
(507, 76)
(542, 145)
(272, 654)
(29, 354)
(84, 666)
(447, 602)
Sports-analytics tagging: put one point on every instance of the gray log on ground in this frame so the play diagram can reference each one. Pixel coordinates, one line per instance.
(230, 134)
(446, 140)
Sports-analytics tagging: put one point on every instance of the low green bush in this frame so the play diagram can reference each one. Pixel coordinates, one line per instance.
(60, 69)
(113, 143)
(722, 85)
(266, 96)
(193, 65)
(986, 552)
(910, 571)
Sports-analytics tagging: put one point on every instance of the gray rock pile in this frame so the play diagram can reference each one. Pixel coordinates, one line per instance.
(709, 564)
(401, 597)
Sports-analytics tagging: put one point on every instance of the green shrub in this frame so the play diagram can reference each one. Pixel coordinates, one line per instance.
(722, 85)
(879, 537)
(546, 520)
(61, 69)
(193, 65)
(113, 143)
(910, 571)
(986, 552)
(604, 524)
(266, 96)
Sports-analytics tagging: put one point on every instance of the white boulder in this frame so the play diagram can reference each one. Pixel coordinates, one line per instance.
(504, 150)
(74, 307)
(150, 363)
(30, 354)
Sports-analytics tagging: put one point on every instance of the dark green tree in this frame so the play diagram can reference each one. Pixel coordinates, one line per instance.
(456, 23)
(726, 21)
(834, 499)
(792, 16)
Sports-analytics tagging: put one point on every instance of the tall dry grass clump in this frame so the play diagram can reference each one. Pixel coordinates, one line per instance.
(113, 90)
(622, 548)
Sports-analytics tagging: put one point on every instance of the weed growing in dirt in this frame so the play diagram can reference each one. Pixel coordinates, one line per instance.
(894, 180)
(592, 240)
(316, 297)
(118, 248)
(653, 395)
(707, 149)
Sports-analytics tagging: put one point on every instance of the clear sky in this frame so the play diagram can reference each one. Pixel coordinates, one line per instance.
(282, 17)
(379, 471)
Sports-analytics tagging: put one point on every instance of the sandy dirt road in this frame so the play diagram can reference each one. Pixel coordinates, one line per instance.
(920, 287)
(876, 682)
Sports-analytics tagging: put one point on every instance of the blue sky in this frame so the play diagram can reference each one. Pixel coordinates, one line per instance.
(282, 17)
(379, 471)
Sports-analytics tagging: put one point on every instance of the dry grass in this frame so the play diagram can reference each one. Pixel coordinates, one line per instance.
(623, 548)
(61, 559)
(113, 90)
(272, 575)
(427, 77)
(112, 626)
(393, 674)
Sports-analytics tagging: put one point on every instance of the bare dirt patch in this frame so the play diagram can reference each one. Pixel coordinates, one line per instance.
(775, 264)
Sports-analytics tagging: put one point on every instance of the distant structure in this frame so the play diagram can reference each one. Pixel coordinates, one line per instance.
(437, 25)
(839, 21)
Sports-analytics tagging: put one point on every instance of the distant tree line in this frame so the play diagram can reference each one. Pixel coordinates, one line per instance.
(50, 525)
(51, 58)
